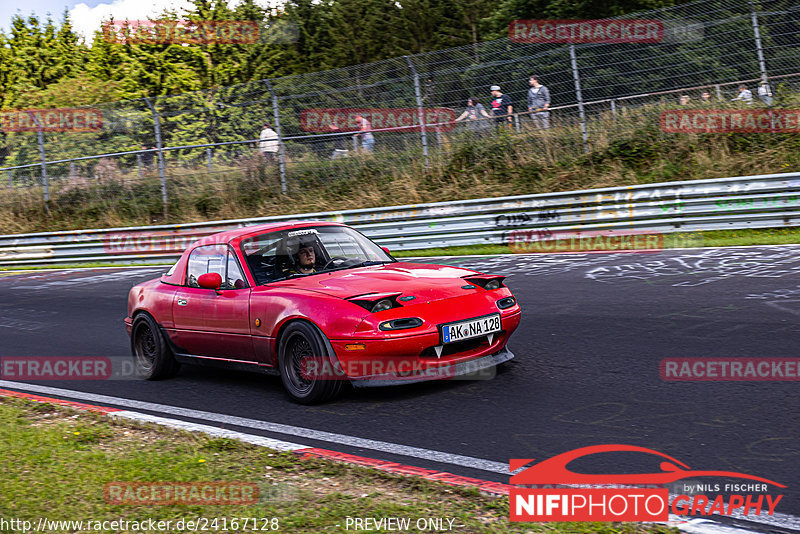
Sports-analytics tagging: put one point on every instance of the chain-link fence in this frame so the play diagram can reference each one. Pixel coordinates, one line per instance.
(162, 144)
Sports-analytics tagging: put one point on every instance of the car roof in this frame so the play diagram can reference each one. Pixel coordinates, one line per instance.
(233, 237)
(235, 234)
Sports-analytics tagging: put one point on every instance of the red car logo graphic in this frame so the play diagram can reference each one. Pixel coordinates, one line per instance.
(554, 470)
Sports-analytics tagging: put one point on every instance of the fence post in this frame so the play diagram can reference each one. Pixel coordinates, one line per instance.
(516, 121)
(160, 153)
(139, 165)
(420, 111)
(759, 49)
(45, 181)
(614, 108)
(281, 149)
(10, 178)
(581, 113)
(719, 92)
(208, 158)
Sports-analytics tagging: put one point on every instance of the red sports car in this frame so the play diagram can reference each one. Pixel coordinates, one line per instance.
(319, 304)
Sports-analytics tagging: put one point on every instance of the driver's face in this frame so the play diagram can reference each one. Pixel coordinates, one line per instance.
(306, 256)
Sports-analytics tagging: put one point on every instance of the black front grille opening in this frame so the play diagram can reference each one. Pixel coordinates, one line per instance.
(466, 345)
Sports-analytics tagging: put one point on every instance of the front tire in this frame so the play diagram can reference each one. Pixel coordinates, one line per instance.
(304, 349)
(151, 355)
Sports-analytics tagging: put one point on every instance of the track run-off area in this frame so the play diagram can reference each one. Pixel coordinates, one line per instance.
(587, 371)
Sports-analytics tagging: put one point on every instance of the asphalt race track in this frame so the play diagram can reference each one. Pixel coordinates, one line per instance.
(594, 330)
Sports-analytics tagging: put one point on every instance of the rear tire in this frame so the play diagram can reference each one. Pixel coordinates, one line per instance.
(300, 344)
(151, 355)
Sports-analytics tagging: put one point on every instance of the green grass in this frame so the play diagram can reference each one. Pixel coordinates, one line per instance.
(56, 463)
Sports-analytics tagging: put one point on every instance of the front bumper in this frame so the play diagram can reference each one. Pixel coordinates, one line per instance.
(482, 368)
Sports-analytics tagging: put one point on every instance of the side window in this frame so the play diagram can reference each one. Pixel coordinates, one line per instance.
(215, 259)
(234, 279)
(207, 259)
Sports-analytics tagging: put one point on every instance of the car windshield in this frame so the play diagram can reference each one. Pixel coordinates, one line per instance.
(310, 250)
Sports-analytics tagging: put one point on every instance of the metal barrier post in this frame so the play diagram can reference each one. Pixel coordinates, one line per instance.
(516, 122)
(762, 64)
(281, 148)
(208, 158)
(582, 114)
(45, 181)
(139, 165)
(613, 108)
(719, 92)
(420, 112)
(159, 146)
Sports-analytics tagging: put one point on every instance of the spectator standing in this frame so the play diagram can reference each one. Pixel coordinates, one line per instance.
(268, 143)
(501, 107)
(745, 95)
(765, 93)
(476, 114)
(365, 132)
(539, 103)
(705, 97)
(685, 100)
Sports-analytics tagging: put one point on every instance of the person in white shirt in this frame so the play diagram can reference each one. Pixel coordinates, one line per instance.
(745, 95)
(268, 143)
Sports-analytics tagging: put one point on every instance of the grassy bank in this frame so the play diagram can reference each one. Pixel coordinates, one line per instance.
(56, 464)
(628, 150)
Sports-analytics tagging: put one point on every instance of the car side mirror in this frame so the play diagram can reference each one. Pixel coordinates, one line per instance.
(386, 250)
(210, 281)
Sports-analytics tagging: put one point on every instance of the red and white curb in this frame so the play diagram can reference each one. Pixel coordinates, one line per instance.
(692, 526)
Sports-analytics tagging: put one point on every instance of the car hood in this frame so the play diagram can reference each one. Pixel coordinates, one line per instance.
(424, 281)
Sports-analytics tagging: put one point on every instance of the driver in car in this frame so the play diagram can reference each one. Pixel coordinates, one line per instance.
(304, 260)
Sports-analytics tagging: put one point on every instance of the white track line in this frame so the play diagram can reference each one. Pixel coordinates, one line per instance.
(261, 441)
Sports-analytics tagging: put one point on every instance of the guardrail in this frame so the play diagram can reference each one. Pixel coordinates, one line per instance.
(761, 201)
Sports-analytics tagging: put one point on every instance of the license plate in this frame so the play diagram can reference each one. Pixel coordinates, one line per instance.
(471, 328)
